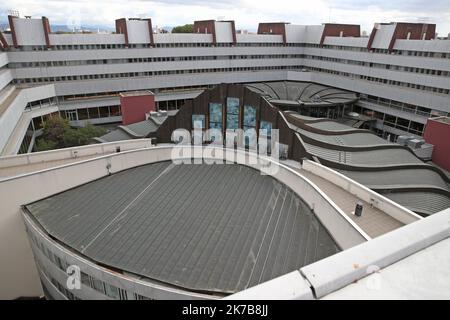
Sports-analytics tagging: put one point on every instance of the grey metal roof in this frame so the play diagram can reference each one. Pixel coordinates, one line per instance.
(132, 131)
(302, 117)
(421, 201)
(370, 158)
(116, 135)
(330, 125)
(351, 139)
(293, 92)
(214, 228)
(403, 177)
(143, 128)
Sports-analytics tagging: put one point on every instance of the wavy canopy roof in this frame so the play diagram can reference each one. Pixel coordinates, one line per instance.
(388, 168)
(302, 93)
(207, 228)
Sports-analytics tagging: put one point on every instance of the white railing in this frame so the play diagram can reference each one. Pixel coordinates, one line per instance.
(73, 153)
(380, 202)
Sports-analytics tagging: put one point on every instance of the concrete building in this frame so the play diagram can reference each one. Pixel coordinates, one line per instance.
(140, 227)
(437, 131)
(137, 224)
(400, 72)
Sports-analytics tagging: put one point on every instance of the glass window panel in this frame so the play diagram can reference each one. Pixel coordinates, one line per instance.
(267, 126)
(112, 291)
(98, 285)
(82, 114)
(85, 279)
(250, 138)
(232, 121)
(104, 112)
(249, 116)
(232, 105)
(215, 115)
(93, 113)
(215, 125)
(198, 121)
(114, 110)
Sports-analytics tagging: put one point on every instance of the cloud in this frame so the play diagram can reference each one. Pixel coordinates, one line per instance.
(246, 13)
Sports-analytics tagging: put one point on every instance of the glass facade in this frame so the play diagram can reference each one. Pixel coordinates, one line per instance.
(266, 126)
(232, 113)
(249, 117)
(215, 115)
(198, 121)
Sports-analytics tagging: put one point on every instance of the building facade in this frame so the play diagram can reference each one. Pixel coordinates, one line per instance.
(401, 72)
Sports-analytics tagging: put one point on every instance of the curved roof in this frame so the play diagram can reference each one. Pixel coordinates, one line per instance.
(136, 130)
(353, 139)
(207, 228)
(423, 202)
(395, 177)
(372, 161)
(302, 93)
(368, 158)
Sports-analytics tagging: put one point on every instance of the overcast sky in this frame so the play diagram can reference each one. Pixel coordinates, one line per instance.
(246, 13)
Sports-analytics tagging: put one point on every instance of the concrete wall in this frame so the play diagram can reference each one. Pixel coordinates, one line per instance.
(72, 153)
(138, 31)
(438, 134)
(134, 107)
(351, 267)
(337, 271)
(11, 116)
(29, 31)
(18, 276)
(224, 32)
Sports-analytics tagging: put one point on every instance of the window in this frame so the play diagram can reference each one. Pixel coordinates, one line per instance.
(104, 112)
(249, 117)
(232, 113)
(140, 297)
(215, 115)
(113, 292)
(98, 285)
(85, 279)
(266, 128)
(198, 121)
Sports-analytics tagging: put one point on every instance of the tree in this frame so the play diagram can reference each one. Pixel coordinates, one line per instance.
(57, 133)
(187, 28)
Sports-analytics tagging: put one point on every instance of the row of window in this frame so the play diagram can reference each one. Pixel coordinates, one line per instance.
(42, 64)
(442, 55)
(429, 54)
(392, 121)
(425, 112)
(171, 90)
(150, 73)
(91, 113)
(60, 287)
(384, 81)
(381, 66)
(87, 280)
(148, 45)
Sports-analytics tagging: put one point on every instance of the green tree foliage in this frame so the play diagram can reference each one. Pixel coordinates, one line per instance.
(57, 134)
(187, 28)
